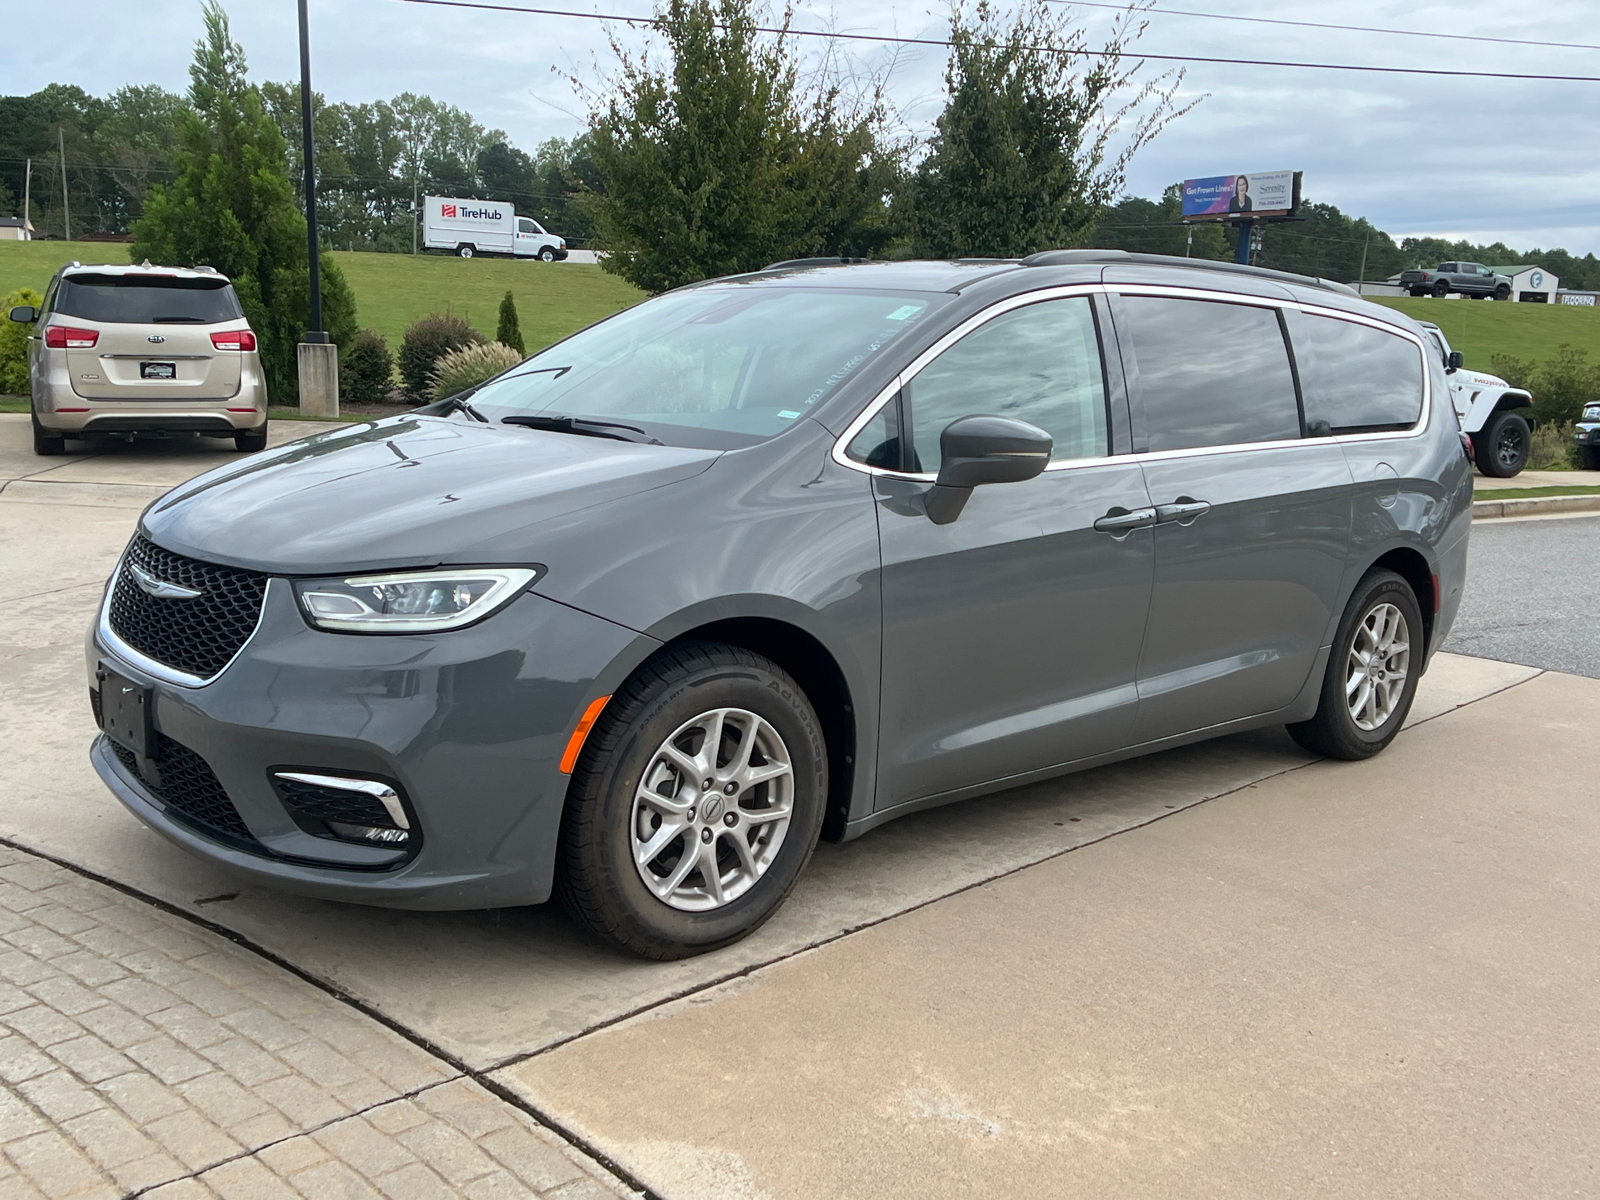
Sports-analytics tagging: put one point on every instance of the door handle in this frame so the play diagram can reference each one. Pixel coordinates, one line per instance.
(1184, 511)
(1119, 520)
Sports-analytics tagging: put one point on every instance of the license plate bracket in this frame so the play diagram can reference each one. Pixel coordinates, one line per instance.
(158, 370)
(125, 712)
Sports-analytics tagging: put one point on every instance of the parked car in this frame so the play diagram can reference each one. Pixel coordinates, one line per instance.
(1496, 416)
(121, 351)
(782, 556)
(1469, 279)
(471, 227)
(1588, 437)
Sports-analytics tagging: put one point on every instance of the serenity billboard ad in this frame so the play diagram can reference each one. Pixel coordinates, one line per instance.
(1262, 194)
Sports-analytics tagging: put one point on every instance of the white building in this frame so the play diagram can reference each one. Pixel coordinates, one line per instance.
(15, 229)
(1531, 285)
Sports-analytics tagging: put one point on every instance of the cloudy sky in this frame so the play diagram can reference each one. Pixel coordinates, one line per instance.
(1479, 158)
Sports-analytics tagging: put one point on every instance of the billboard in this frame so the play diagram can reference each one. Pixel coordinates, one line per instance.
(1220, 197)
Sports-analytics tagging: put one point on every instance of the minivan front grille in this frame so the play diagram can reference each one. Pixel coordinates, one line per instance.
(188, 786)
(199, 635)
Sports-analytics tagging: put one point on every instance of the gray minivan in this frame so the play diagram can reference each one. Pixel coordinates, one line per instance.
(783, 556)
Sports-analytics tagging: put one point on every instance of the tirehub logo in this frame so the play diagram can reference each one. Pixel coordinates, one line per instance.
(447, 210)
(477, 214)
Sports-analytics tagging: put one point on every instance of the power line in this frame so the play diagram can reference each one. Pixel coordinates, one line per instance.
(1455, 37)
(946, 44)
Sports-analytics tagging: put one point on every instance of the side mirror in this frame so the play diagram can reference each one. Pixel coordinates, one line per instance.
(25, 313)
(983, 449)
(1455, 361)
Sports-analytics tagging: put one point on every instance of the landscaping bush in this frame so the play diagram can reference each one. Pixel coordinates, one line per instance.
(1560, 386)
(1553, 448)
(508, 332)
(14, 343)
(471, 365)
(366, 368)
(429, 340)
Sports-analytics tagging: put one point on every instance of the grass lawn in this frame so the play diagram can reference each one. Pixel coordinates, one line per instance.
(393, 290)
(1526, 493)
(1480, 328)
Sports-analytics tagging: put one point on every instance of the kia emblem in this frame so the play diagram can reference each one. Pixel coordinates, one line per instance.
(155, 337)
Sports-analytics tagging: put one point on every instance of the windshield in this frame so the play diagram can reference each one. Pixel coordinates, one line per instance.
(148, 299)
(714, 367)
(1438, 344)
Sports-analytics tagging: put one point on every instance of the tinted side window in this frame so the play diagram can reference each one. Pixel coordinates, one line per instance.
(1209, 373)
(1354, 377)
(1040, 364)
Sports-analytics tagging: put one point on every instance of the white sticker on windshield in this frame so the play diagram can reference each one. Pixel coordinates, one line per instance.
(787, 415)
(905, 312)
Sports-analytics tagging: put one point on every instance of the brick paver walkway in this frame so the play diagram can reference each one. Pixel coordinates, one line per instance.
(143, 1055)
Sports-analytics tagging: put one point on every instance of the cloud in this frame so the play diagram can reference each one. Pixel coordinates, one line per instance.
(1487, 159)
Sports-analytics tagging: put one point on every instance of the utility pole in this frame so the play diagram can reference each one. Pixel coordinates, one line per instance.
(1361, 276)
(27, 199)
(1188, 245)
(318, 357)
(66, 204)
(413, 208)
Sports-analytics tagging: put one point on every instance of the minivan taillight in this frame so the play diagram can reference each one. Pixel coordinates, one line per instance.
(67, 337)
(234, 339)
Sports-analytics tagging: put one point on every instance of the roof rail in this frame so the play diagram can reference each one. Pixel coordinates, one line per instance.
(1064, 258)
(813, 262)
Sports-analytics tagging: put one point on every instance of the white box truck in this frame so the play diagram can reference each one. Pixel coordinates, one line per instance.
(468, 227)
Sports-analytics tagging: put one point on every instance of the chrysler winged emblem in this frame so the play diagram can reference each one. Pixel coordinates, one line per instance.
(160, 588)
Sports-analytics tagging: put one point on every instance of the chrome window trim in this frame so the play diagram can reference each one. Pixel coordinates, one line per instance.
(1011, 303)
(109, 640)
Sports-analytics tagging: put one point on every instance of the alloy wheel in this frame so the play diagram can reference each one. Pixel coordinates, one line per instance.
(712, 809)
(1379, 663)
(1508, 447)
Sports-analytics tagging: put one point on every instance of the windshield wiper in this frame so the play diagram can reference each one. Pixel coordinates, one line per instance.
(450, 404)
(563, 423)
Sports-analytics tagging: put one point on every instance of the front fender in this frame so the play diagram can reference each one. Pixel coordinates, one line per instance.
(1485, 402)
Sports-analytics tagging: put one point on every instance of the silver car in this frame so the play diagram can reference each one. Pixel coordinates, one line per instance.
(126, 351)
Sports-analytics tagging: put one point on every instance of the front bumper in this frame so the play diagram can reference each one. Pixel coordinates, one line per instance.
(470, 724)
(1587, 435)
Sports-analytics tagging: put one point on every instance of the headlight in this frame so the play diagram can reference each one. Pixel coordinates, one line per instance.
(412, 601)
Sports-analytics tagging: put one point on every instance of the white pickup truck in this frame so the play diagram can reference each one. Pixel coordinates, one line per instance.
(1497, 416)
(469, 227)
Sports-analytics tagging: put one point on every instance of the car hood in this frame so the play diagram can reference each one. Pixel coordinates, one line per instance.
(410, 491)
(1477, 379)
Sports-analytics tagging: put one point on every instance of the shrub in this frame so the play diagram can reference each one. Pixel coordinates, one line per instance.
(426, 342)
(471, 365)
(508, 332)
(14, 343)
(1554, 448)
(366, 368)
(1560, 386)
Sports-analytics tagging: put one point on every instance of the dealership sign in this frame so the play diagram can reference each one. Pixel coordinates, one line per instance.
(1224, 197)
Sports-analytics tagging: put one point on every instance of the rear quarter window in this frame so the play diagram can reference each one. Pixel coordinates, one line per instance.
(148, 300)
(1357, 378)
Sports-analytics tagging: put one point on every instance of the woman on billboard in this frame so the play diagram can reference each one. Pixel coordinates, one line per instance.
(1241, 201)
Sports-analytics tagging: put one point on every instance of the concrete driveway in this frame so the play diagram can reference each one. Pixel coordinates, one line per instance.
(1218, 1003)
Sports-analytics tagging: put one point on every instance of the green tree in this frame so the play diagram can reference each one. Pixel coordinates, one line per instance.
(508, 332)
(1021, 159)
(722, 162)
(232, 207)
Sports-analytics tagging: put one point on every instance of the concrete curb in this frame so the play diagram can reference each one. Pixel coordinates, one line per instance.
(1533, 506)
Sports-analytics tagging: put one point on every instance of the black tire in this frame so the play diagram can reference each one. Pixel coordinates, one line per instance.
(249, 441)
(1333, 732)
(1441, 288)
(45, 442)
(465, 250)
(597, 881)
(1418, 293)
(547, 255)
(1502, 292)
(1502, 446)
(1589, 457)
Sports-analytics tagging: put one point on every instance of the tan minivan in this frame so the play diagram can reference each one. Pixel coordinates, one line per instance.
(126, 351)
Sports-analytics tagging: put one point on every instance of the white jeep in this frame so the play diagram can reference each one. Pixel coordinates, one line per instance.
(1497, 416)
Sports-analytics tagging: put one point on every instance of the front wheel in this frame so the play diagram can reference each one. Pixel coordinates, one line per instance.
(547, 255)
(1502, 292)
(1372, 672)
(1503, 445)
(464, 251)
(1589, 457)
(695, 803)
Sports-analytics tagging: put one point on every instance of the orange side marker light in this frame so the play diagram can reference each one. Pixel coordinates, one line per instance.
(569, 757)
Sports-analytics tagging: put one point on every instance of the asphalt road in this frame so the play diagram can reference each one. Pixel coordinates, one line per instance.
(1533, 595)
